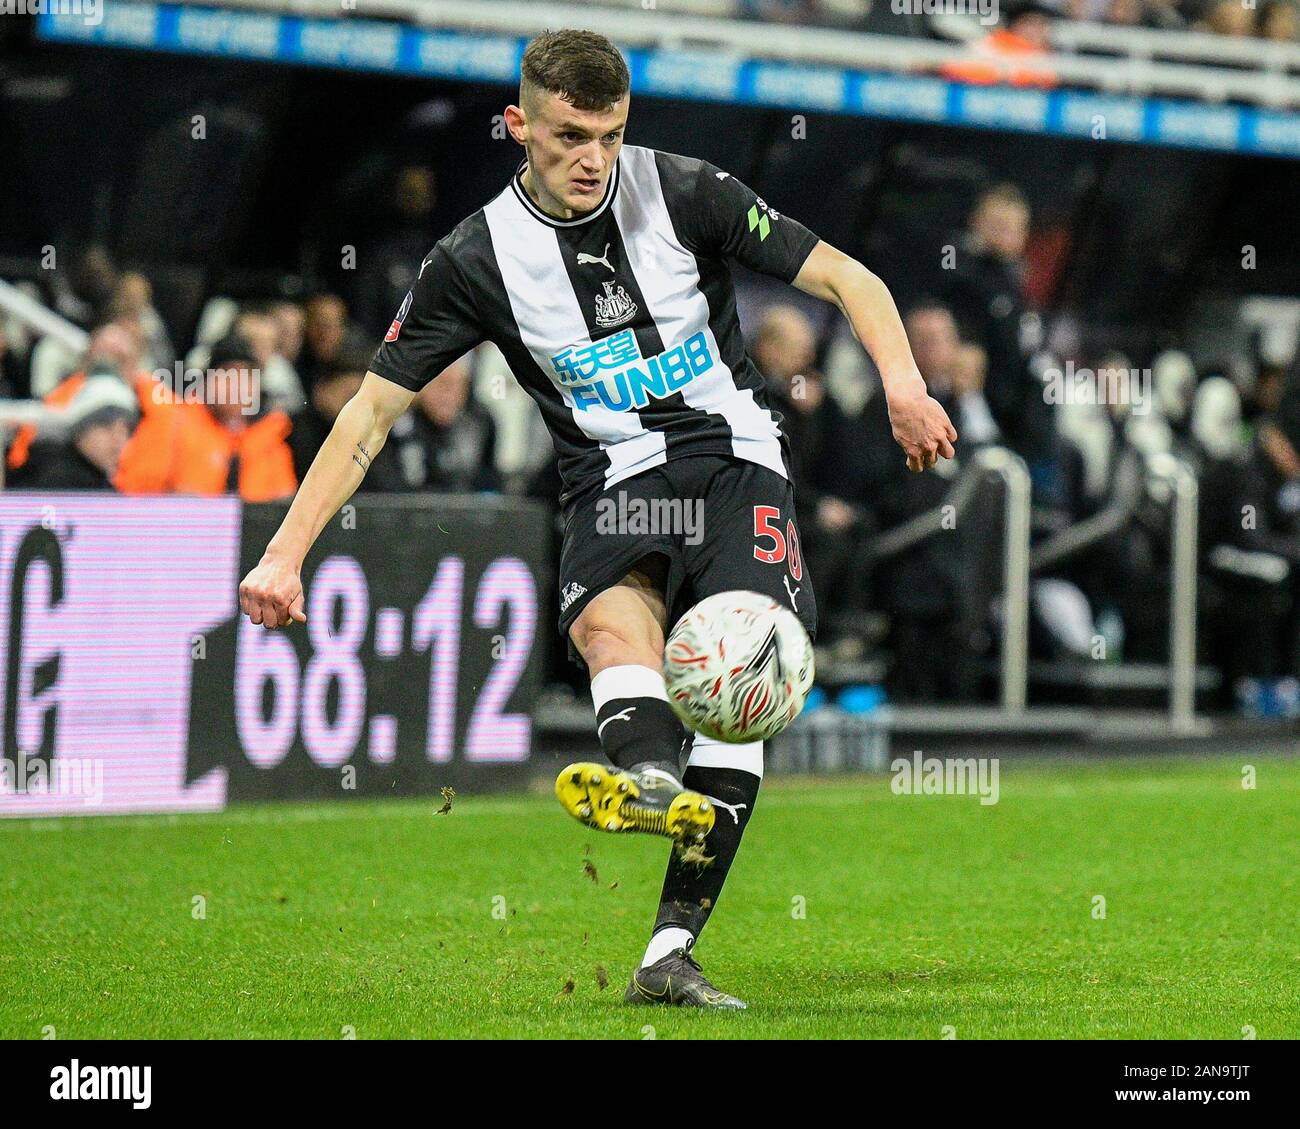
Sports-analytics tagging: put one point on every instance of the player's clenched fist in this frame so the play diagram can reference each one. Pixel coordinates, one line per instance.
(272, 594)
(924, 431)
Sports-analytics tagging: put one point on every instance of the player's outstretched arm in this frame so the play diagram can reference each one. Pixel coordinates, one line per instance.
(272, 593)
(921, 426)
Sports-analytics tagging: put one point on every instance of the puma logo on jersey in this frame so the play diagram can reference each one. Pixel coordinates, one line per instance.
(794, 603)
(586, 260)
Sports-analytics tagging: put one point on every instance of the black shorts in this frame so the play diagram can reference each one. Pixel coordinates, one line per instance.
(715, 524)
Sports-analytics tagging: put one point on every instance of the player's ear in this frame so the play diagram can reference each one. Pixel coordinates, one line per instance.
(517, 123)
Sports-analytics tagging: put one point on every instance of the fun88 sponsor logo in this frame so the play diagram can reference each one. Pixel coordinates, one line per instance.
(612, 373)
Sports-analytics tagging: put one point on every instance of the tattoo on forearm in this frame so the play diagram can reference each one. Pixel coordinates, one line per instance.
(363, 459)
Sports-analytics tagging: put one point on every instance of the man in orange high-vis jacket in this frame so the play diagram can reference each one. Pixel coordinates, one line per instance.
(217, 446)
(1017, 52)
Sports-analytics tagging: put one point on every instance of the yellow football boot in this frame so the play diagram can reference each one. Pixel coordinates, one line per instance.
(648, 799)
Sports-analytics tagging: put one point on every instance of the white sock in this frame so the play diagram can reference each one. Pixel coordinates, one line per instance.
(709, 753)
(664, 942)
(629, 681)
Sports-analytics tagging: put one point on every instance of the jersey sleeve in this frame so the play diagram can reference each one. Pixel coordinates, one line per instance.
(436, 325)
(731, 221)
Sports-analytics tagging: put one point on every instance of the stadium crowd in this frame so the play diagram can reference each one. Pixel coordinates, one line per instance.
(1269, 19)
(249, 404)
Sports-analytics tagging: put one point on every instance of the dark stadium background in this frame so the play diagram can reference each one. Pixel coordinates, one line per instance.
(1045, 787)
(1138, 248)
(298, 156)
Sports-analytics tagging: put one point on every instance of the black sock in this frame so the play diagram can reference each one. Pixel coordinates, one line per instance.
(634, 721)
(690, 889)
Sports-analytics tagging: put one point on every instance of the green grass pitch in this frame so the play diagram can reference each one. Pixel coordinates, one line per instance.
(920, 914)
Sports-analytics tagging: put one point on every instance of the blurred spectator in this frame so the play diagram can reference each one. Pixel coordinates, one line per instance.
(133, 298)
(101, 418)
(312, 423)
(986, 295)
(53, 362)
(388, 262)
(224, 444)
(84, 292)
(1011, 52)
(1261, 406)
(1173, 386)
(326, 334)
(289, 321)
(1082, 10)
(1259, 630)
(1278, 433)
(1163, 14)
(280, 383)
(1228, 17)
(932, 334)
(1143, 13)
(1245, 591)
(953, 373)
(822, 461)
(116, 346)
(1216, 421)
(447, 441)
(1278, 21)
(977, 427)
(1128, 13)
(785, 344)
(922, 589)
(259, 330)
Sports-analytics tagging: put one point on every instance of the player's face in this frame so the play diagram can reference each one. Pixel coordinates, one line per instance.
(571, 153)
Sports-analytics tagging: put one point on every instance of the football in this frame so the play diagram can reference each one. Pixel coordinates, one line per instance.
(738, 667)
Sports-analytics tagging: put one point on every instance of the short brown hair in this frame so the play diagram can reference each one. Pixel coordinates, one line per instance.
(582, 67)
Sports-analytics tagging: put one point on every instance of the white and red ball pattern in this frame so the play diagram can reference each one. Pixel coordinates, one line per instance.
(738, 667)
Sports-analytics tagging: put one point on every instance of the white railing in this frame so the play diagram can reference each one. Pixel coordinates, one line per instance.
(1188, 46)
(1170, 481)
(1184, 488)
(1128, 60)
(1009, 468)
(43, 321)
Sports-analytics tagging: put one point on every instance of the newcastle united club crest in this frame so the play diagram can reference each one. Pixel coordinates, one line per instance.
(614, 307)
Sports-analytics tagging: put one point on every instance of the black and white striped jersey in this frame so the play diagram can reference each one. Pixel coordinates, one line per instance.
(620, 324)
